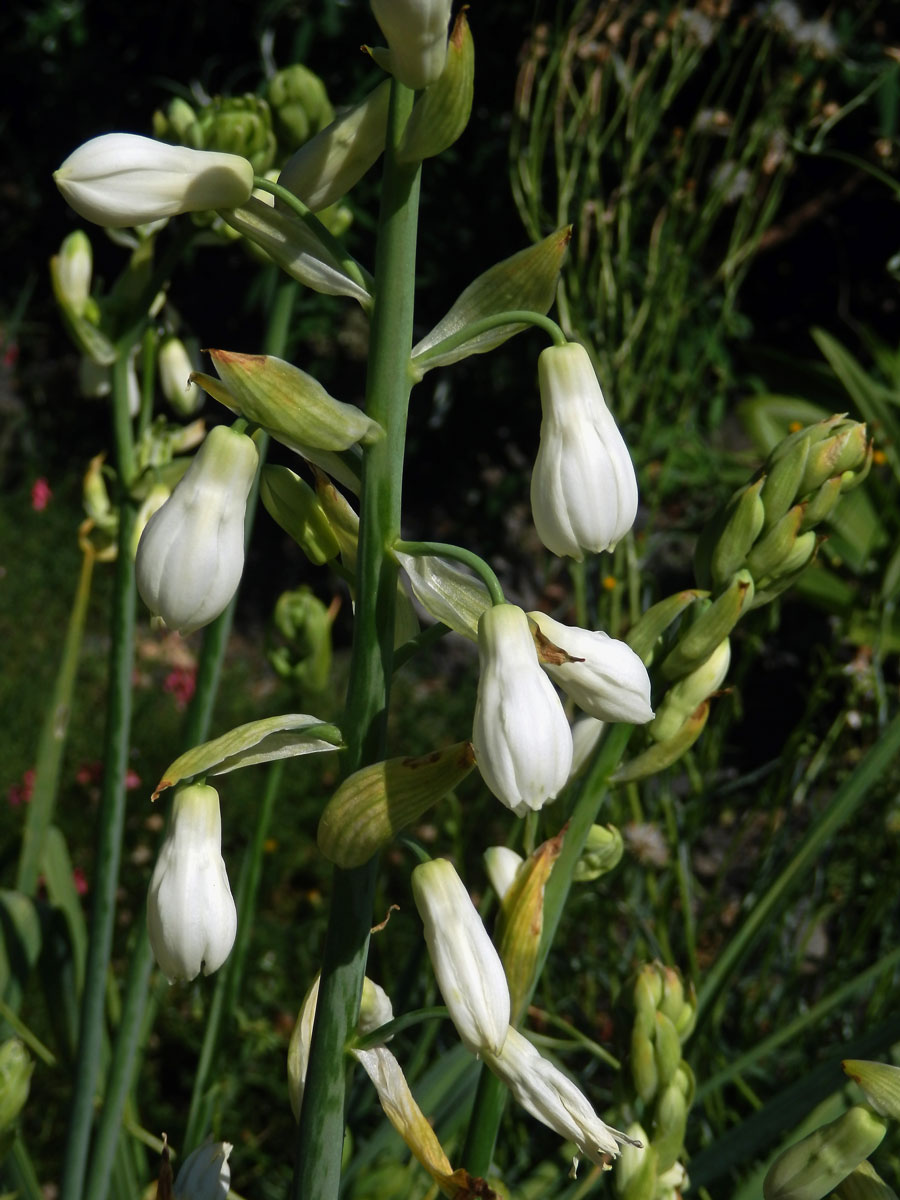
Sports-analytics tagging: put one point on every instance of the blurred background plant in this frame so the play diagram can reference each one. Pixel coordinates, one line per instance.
(730, 174)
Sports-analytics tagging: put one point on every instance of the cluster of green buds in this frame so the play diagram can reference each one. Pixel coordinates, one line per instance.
(658, 1083)
(228, 124)
(752, 550)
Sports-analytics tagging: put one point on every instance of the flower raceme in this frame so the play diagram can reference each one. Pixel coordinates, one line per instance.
(522, 740)
(609, 681)
(121, 179)
(191, 553)
(191, 917)
(583, 487)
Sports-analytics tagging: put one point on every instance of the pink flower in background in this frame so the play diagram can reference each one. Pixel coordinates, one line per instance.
(181, 684)
(40, 494)
(21, 793)
(80, 880)
(89, 774)
(132, 780)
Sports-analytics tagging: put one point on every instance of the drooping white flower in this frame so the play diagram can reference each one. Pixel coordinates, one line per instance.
(191, 554)
(611, 683)
(121, 179)
(468, 969)
(416, 32)
(550, 1096)
(205, 1173)
(191, 917)
(522, 740)
(583, 487)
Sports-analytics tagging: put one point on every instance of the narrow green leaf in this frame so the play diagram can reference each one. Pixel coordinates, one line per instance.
(20, 939)
(259, 741)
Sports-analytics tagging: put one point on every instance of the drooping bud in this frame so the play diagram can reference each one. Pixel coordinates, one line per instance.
(121, 179)
(502, 865)
(373, 804)
(710, 628)
(636, 1167)
(289, 403)
(205, 1173)
(191, 917)
(291, 502)
(467, 967)
(331, 163)
(442, 112)
(812, 1167)
(303, 652)
(583, 487)
(683, 697)
(416, 33)
(175, 368)
(191, 554)
(71, 270)
(607, 679)
(523, 743)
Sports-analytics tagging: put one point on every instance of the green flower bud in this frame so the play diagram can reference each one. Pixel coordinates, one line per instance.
(731, 535)
(70, 272)
(239, 125)
(644, 1071)
(711, 627)
(812, 1167)
(289, 403)
(766, 556)
(648, 989)
(442, 112)
(784, 472)
(820, 504)
(331, 163)
(643, 636)
(372, 805)
(291, 502)
(844, 449)
(178, 124)
(635, 1168)
(879, 1081)
(667, 1048)
(669, 1124)
(299, 103)
(602, 853)
(175, 369)
(679, 1008)
(797, 558)
(681, 700)
(662, 754)
(15, 1081)
(304, 623)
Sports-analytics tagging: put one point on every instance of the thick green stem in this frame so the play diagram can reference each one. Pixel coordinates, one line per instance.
(321, 1130)
(112, 813)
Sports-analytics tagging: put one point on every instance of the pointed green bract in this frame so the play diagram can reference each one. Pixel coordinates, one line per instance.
(259, 741)
(442, 111)
(526, 280)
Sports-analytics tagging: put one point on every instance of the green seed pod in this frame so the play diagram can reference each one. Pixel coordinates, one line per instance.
(742, 523)
(294, 505)
(682, 698)
(644, 1071)
(698, 642)
(669, 1124)
(811, 1168)
(667, 1048)
(649, 628)
(879, 1081)
(442, 111)
(372, 805)
(783, 474)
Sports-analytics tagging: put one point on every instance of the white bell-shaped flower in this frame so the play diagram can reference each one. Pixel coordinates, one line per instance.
(583, 487)
(191, 917)
(416, 32)
(611, 683)
(522, 740)
(205, 1173)
(468, 969)
(121, 179)
(191, 553)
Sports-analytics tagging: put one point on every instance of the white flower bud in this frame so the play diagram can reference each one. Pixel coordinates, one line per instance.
(467, 967)
(502, 865)
(121, 179)
(205, 1173)
(523, 744)
(191, 918)
(611, 683)
(553, 1098)
(72, 269)
(583, 487)
(416, 32)
(191, 554)
(175, 370)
